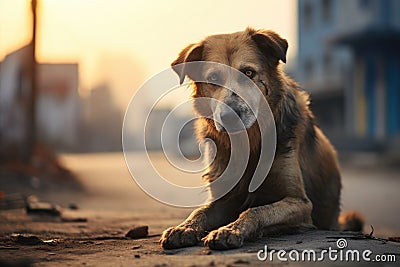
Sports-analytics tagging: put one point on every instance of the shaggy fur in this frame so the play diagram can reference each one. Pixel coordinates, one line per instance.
(302, 189)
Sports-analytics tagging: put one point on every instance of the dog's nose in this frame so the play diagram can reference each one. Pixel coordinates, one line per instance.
(230, 118)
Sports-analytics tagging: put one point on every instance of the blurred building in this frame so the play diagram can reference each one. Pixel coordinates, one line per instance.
(14, 84)
(58, 107)
(349, 60)
(102, 121)
(58, 111)
(64, 120)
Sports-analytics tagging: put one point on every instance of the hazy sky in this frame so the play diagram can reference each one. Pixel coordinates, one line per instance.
(126, 41)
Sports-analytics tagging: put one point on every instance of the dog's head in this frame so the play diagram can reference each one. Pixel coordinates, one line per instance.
(255, 53)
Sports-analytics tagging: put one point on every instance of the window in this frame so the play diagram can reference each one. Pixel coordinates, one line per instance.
(307, 15)
(309, 68)
(365, 3)
(327, 61)
(326, 10)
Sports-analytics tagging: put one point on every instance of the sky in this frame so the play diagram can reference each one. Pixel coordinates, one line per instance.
(124, 42)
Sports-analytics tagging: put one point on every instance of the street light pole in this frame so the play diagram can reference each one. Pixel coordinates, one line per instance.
(31, 109)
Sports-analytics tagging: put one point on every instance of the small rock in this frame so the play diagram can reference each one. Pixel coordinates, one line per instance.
(138, 232)
(137, 246)
(240, 261)
(8, 248)
(86, 242)
(30, 240)
(73, 206)
(137, 256)
(68, 219)
(35, 207)
(50, 242)
(168, 252)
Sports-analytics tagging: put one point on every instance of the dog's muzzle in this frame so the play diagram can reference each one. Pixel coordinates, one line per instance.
(229, 120)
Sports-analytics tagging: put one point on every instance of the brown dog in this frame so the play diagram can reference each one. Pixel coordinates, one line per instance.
(302, 189)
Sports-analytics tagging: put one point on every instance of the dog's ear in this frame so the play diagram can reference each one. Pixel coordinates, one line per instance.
(193, 52)
(270, 44)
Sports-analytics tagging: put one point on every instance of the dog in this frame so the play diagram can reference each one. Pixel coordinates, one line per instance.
(302, 188)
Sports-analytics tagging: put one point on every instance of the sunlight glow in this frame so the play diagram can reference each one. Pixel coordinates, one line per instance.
(144, 35)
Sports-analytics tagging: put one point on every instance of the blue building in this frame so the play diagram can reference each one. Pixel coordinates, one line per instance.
(349, 60)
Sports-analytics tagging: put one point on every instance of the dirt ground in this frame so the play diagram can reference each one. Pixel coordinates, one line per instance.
(94, 234)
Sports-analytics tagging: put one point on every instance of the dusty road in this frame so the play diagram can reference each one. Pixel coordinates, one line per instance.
(114, 204)
(375, 192)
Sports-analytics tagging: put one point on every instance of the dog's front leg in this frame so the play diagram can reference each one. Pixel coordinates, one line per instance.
(193, 229)
(288, 211)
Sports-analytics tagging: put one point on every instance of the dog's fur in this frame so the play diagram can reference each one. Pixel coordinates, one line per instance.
(302, 189)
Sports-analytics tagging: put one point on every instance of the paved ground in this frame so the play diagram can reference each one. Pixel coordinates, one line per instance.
(113, 204)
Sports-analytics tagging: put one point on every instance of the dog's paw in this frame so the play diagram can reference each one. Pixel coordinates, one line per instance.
(179, 237)
(223, 238)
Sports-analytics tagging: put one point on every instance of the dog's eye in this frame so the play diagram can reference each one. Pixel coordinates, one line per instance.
(213, 77)
(249, 73)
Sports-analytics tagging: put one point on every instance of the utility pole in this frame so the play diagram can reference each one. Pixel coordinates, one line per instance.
(31, 108)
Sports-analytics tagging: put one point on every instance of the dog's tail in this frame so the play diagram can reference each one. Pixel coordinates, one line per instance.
(351, 221)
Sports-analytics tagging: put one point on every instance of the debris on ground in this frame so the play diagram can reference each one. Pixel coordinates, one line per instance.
(103, 242)
(32, 240)
(241, 262)
(36, 207)
(138, 232)
(73, 220)
(29, 240)
(73, 206)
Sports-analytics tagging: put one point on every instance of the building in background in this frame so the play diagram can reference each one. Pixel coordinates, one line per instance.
(58, 106)
(58, 111)
(14, 89)
(102, 121)
(349, 61)
(64, 120)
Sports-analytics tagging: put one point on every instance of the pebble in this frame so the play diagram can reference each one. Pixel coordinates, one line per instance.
(138, 232)
(240, 261)
(30, 240)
